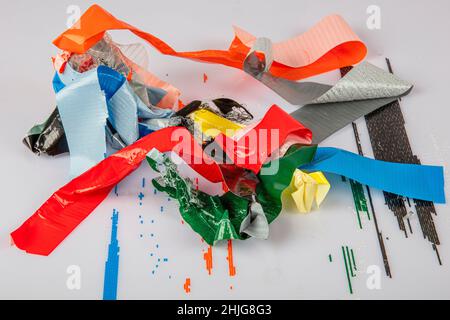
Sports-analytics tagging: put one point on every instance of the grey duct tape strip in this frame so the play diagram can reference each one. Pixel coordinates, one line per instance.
(327, 109)
(255, 223)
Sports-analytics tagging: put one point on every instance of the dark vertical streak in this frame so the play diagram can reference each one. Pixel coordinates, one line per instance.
(390, 142)
(375, 221)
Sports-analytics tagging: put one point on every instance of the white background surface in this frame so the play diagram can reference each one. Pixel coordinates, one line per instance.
(293, 263)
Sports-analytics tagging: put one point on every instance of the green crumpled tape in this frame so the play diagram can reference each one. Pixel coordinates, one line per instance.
(227, 217)
(214, 218)
(270, 188)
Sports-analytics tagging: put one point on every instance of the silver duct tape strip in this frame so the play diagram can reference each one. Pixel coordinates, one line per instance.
(255, 223)
(326, 109)
(325, 119)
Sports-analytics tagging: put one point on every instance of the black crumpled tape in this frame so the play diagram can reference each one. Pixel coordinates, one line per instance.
(48, 138)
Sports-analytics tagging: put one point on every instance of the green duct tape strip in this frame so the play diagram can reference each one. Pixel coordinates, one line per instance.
(272, 186)
(214, 218)
(230, 216)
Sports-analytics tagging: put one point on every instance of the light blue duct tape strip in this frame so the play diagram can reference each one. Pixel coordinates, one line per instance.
(145, 112)
(122, 110)
(83, 109)
(408, 180)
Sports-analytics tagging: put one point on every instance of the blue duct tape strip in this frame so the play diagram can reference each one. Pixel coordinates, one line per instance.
(408, 180)
(144, 130)
(58, 85)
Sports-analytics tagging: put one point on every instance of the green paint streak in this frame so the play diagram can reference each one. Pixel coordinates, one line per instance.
(350, 266)
(353, 259)
(346, 270)
(359, 198)
(330, 258)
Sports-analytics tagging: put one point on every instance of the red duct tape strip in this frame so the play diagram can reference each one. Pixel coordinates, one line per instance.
(253, 148)
(71, 204)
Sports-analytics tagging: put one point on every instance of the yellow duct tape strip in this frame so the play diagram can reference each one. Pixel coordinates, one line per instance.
(212, 125)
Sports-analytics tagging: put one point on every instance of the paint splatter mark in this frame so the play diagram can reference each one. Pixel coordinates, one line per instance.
(205, 78)
(143, 182)
(180, 104)
(187, 285)
(140, 196)
(350, 266)
(353, 259)
(330, 258)
(116, 190)
(231, 267)
(112, 263)
(162, 209)
(360, 200)
(208, 259)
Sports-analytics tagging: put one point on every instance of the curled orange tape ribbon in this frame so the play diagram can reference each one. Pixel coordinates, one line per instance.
(329, 45)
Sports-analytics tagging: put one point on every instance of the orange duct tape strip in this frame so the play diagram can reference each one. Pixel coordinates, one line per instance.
(329, 45)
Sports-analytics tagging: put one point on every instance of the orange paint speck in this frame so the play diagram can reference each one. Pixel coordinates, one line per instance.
(187, 285)
(208, 259)
(205, 78)
(130, 75)
(231, 267)
(180, 104)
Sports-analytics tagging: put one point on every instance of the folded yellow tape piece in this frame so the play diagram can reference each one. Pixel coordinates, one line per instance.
(212, 125)
(307, 189)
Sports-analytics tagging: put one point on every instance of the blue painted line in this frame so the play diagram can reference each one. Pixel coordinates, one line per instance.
(112, 263)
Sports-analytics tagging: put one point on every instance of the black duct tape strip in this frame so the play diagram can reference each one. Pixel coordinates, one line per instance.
(48, 137)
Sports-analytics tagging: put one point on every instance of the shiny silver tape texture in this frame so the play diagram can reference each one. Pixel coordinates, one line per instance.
(323, 108)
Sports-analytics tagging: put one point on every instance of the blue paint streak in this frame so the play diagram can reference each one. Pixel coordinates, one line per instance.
(112, 263)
